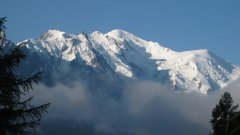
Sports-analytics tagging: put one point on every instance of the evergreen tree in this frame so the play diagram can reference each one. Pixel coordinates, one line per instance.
(233, 125)
(224, 115)
(17, 116)
(2, 30)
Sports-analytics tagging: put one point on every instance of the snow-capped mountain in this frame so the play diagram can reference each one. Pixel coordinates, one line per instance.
(119, 54)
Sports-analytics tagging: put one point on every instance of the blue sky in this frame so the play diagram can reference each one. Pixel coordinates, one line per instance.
(177, 24)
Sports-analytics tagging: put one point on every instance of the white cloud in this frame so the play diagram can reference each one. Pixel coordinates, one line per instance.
(144, 108)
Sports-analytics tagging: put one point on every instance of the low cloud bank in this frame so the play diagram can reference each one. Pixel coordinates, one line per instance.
(144, 108)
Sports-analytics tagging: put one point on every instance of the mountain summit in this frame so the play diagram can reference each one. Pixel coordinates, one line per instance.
(120, 54)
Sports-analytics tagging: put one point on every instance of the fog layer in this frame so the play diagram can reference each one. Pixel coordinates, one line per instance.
(144, 108)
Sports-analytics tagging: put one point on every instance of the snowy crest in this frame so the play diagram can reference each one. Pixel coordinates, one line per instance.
(129, 56)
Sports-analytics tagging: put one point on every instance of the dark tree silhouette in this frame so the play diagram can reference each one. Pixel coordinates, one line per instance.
(225, 117)
(17, 116)
(2, 30)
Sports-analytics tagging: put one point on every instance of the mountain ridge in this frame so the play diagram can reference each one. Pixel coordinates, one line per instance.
(127, 55)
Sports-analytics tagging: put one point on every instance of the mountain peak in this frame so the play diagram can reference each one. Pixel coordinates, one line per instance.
(56, 34)
(54, 31)
(97, 32)
(118, 33)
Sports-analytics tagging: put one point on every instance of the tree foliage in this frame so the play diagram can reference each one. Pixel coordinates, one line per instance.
(225, 117)
(2, 30)
(17, 116)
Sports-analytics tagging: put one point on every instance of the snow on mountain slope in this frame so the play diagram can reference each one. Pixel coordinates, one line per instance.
(129, 56)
